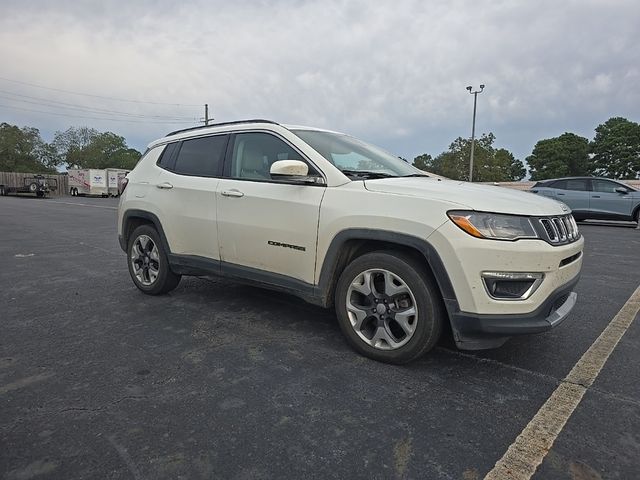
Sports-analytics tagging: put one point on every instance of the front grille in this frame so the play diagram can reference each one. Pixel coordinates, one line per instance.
(559, 230)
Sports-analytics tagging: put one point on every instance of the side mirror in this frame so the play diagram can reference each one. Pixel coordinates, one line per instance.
(288, 168)
(294, 171)
(622, 190)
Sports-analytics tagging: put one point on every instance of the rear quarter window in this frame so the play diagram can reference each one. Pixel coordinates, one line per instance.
(168, 158)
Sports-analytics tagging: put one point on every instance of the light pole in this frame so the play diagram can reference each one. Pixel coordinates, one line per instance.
(473, 128)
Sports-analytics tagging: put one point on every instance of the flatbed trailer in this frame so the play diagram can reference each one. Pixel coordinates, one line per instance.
(38, 185)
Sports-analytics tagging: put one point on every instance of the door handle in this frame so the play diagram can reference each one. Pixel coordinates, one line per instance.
(232, 193)
(164, 185)
(562, 194)
(595, 196)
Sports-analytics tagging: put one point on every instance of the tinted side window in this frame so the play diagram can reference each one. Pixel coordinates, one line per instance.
(580, 185)
(167, 159)
(605, 186)
(561, 184)
(254, 153)
(201, 156)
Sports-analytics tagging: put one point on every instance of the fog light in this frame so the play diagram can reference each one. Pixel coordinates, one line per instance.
(511, 286)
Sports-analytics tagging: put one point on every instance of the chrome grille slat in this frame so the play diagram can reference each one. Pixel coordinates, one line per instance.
(563, 233)
(560, 230)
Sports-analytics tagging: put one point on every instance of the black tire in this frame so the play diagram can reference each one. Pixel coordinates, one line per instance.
(166, 280)
(2, 192)
(40, 194)
(638, 217)
(430, 312)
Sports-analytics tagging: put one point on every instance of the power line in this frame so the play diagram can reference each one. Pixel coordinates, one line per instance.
(95, 118)
(97, 96)
(74, 106)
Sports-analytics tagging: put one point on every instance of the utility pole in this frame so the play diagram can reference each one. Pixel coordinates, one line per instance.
(473, 128)
(206, 114)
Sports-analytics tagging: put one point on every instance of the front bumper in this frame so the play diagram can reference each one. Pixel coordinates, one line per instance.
(480, 321)
(477, 332)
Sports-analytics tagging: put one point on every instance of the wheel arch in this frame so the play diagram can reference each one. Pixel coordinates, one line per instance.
(351, 243)
(132, 219)
(636, 213)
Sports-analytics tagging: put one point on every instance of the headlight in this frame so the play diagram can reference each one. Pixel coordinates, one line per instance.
(493, 225)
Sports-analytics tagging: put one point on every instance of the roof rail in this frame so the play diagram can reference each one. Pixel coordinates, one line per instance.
(255, 120)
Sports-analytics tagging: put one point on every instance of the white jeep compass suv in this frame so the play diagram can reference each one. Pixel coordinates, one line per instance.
(340, 222)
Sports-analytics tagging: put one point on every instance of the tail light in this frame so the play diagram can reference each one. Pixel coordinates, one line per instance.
(123, 185)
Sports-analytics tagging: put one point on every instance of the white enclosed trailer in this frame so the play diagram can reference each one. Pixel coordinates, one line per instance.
(114, 179)
(87, 181)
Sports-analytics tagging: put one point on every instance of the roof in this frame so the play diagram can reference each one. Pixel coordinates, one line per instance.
(213, 125)
(584, 177)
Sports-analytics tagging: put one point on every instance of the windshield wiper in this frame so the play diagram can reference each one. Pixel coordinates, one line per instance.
(367, 174)
(415, 175)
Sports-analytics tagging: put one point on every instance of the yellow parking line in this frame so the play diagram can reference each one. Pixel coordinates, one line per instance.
(527, 452)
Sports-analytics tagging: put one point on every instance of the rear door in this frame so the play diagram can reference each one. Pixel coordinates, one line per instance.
(266, 227)
(185, 194)
(575, 193)
(607, 203)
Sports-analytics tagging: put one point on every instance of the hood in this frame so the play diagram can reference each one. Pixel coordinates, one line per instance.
(472, 196)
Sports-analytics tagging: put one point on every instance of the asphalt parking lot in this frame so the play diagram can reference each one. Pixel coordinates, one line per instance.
(220, 380)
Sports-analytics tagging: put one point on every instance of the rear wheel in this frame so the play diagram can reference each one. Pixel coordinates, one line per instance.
(388, 307)
(148, 263)
(33, 187)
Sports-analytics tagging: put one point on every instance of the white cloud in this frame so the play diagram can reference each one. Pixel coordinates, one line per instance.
(391, 72)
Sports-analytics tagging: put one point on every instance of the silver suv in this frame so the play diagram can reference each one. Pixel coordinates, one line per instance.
(593, 198)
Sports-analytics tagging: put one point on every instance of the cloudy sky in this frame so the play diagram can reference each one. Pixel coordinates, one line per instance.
(391, 72)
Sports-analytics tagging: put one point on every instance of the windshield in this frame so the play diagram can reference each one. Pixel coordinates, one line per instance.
(355, 158)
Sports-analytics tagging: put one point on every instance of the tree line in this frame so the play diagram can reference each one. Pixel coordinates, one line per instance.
(614, 152)
(24, 150)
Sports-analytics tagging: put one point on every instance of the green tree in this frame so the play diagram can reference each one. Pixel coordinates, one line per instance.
(489, 164)
(85, 147)
(23, 150)
(423, 161)
(563, 156)
(70, 144)
(616, 149)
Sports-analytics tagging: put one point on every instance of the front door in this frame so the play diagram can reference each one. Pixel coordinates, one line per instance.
(606, 202)
(264, 226)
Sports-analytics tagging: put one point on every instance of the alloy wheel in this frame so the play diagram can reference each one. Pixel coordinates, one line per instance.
(382, 309)
(145, 260)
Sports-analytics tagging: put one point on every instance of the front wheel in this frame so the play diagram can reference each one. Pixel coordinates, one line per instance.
(388, 307)
(148, 263)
